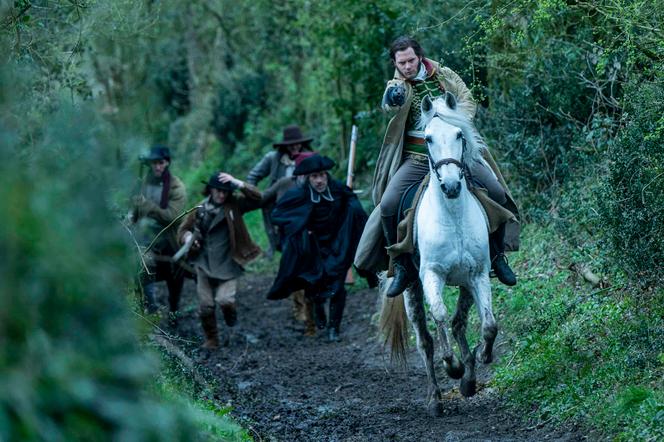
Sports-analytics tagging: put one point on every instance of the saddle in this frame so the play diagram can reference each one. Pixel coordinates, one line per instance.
(406, 219)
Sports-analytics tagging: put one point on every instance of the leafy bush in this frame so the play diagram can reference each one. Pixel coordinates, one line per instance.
(71, 364)
(632, 198)
(593, 355)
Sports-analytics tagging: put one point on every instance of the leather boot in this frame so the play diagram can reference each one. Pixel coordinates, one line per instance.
(319, 314)
(333, 334)
(402, 270)
(230, 314)
(209, 323)
(337, 304)
(299, 306)
(403, 276)
(499, 263)
(150, 294)
(174, 284)
(309, 324)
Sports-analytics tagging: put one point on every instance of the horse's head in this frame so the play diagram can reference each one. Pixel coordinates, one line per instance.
(446, 143)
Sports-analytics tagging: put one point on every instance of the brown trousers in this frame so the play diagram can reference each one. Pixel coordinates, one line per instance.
(211, 290)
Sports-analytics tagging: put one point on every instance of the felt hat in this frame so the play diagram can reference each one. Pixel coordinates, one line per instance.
(312, 164)
(292, 135)
(158, 152)
(215, 183)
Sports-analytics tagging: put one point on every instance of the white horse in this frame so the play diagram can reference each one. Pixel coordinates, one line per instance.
(452, 240)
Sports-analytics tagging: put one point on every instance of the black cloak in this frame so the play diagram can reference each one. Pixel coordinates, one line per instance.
(304, 263)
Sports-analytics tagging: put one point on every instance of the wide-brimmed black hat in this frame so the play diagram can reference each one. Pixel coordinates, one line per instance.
(292, 135)
(314, 163)
(158, 152)
(215, 183)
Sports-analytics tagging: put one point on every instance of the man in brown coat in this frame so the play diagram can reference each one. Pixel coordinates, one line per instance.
(160, 200)
(223, 245)
(403, 161)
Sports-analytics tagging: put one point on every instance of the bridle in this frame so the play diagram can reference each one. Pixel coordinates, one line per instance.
(435, 165)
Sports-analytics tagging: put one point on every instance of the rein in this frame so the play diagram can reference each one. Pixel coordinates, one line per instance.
(460, 164)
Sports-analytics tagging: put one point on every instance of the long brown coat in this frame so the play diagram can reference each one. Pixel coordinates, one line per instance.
(242, 248)
(371, 254)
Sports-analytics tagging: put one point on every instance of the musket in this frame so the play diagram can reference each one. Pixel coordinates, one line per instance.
(349, 183)
(184, 249)
(351, 157)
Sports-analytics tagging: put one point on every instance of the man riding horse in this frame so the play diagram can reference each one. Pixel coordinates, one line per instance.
(403, 162)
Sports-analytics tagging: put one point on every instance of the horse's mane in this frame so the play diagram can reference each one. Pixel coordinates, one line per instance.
(455, 116)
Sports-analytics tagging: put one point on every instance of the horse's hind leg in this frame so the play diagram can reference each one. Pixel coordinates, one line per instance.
(468, 385)
(433, 287)
(417, 316)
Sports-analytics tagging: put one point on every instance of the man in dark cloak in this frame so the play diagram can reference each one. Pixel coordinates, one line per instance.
(321, 222)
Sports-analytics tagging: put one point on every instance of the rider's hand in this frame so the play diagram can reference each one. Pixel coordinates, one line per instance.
(396, 95)
(228, 178)
(186, 237)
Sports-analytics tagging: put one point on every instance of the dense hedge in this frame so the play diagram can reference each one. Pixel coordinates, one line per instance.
(632, 196)
(70, 360)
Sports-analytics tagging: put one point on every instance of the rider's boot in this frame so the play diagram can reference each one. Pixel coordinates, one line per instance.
(403, 271)
(401, 264)
(499, 263)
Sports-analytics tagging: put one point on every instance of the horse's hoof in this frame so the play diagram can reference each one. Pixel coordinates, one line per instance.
(435, 408)
(486, 358)
(455, 370)
(468, 387)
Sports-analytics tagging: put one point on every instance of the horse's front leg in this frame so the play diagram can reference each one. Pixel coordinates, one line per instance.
(481, 290)
(468, 385)
(433, 286)
(417, 316)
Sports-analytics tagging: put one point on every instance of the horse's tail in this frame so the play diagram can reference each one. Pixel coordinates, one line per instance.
(393, 325)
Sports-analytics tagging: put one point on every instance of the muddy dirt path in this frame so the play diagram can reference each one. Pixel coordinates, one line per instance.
(287, 387)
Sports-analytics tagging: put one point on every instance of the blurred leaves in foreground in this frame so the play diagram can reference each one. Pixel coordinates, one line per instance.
(70, 360)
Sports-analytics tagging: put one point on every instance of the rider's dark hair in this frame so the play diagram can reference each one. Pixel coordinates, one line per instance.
(404, 42)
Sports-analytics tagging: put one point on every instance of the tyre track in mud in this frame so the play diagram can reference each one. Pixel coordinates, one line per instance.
(287, 387)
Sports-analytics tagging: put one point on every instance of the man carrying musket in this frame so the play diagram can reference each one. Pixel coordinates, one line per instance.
(158, 202)
(221, 247)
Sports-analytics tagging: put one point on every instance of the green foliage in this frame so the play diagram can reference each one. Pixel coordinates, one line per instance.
(634, 221)
(71, 363)
(70, 358)
(589, 354)
(175, 384)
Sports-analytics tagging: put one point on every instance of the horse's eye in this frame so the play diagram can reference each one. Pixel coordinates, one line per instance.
(459, 135)
(428, 139)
